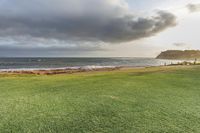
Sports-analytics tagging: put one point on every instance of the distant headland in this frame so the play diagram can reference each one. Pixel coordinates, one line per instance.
(180, 55)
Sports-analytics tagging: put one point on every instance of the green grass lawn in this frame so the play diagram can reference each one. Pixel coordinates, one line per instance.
(140, 100)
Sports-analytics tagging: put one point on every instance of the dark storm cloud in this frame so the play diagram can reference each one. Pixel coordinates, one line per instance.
(193, 7)
(79, 20)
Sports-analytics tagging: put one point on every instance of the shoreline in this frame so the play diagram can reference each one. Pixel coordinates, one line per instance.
(71, 70)
(56, 71)
(68, 70)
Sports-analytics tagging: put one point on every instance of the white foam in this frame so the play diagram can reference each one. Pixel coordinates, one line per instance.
(96, 67)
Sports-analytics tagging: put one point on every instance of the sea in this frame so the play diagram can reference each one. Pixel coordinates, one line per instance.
(75, 63)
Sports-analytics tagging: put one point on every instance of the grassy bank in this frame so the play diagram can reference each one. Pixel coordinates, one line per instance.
(136, 100)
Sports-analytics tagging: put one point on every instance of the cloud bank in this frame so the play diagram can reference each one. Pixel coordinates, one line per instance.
(34, 22)
(193, 7)
(180, 44)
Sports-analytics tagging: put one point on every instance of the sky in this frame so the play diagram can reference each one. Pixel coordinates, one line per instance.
(97, 28)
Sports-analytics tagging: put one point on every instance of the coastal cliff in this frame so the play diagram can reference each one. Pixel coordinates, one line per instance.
(178, 54)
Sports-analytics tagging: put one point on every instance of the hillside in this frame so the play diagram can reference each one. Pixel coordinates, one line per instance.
(178, 54)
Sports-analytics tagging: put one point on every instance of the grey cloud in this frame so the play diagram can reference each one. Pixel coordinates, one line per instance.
(128, 29)
(29, 46)
(29, 43)
(180, 44)
(79, 20)
(50, 48)
(193, 7)
(51, 51)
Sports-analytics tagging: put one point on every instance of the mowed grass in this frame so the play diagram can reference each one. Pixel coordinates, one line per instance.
(135, 100)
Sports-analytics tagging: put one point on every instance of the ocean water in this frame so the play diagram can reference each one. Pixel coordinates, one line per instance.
(50, 63)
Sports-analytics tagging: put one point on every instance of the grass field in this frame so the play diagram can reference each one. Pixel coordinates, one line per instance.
(135, 100)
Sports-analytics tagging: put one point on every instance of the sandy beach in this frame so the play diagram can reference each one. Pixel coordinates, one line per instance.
(72, 70)
(52, 71)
